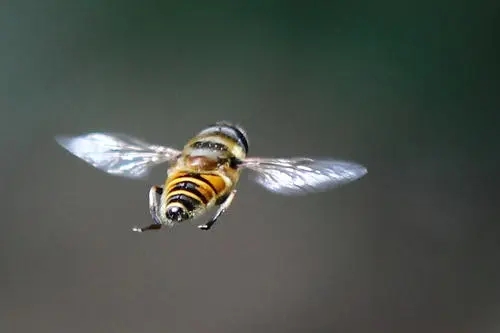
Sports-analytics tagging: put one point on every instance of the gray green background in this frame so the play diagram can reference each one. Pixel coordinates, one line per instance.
(408, 89)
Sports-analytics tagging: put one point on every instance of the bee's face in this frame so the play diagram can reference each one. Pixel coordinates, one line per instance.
(235, 132)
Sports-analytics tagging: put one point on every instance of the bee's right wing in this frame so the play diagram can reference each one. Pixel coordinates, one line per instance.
(302, 175)
(117, 154)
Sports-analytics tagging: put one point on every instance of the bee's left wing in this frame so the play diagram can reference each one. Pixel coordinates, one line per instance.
(302, 175)
(117, 154)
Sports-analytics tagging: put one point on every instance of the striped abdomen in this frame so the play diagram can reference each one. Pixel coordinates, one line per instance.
(193, 191)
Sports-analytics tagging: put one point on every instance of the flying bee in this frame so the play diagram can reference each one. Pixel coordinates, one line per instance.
(205, 172)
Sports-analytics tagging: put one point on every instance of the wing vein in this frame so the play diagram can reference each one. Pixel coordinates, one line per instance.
(117, 154)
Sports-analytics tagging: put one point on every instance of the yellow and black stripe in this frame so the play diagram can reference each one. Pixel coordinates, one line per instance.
(191, 191)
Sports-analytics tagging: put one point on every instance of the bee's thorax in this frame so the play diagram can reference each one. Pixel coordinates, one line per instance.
(201, 163)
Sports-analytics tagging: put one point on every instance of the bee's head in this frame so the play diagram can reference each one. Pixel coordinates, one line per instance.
(234, 131)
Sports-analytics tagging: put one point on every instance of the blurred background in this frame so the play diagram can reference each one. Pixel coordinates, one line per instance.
(409, 89)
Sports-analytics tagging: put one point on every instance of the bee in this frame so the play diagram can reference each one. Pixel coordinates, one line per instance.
(204, 174)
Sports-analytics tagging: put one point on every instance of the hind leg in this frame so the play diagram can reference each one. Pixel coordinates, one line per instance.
(222, 208)
(154, 210)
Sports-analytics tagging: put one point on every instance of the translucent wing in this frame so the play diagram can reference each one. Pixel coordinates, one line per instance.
(301, 175)
(117, 154)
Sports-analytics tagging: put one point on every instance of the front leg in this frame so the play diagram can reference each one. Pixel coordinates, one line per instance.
(222, 208)
(154, 210)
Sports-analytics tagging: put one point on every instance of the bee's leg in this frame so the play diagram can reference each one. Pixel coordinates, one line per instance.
(154, 192)
(149, 227)
(154, 206)
(222, 208)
